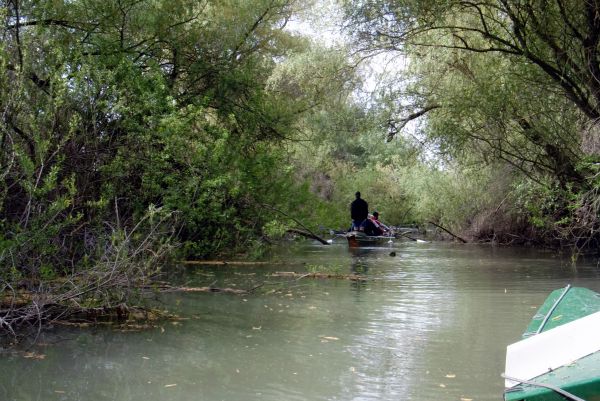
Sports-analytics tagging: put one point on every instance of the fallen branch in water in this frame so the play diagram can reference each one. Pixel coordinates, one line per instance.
(307, 230)
(307, 235)
(209, 288)
(401, 234)
(452, 234)
(120, 278)
(353, 277)
(212, 289)
(220, 262)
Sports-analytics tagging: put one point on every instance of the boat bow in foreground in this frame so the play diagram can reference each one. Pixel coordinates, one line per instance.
(559, 357)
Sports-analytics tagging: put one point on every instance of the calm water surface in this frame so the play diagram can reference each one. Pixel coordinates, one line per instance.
(431, 323)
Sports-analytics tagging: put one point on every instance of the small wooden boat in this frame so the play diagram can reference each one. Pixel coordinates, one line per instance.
(559, 357)
(359, 238)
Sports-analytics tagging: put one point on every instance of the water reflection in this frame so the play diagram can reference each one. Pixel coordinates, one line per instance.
(359, 263)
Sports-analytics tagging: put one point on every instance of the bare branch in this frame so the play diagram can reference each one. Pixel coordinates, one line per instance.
(394, 128)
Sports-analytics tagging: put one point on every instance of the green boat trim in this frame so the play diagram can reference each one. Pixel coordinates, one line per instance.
(563, 306)
(578, 380)
(558, 390)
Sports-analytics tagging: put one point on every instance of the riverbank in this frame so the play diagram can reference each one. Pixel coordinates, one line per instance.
(33, 306)
(120, 295)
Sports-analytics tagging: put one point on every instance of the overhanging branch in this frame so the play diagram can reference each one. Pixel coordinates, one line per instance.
(396, 126)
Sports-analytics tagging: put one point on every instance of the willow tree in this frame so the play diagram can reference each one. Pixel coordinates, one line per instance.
(509, 81)
(561, 38)
(128, 126)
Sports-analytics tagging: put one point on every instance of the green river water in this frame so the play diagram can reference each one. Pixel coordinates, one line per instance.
(431, 323)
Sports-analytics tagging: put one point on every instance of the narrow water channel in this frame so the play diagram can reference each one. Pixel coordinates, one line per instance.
(431, 323)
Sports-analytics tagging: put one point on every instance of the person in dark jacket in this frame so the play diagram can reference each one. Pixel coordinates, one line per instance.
(372, 226)
(359, 211)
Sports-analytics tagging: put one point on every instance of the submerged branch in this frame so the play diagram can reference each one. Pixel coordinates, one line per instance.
(449, 232)
(405, 235)
(352, 277)
(227, 290)
(308, 231)
(308, 235)
(124, 275)
(221, 262)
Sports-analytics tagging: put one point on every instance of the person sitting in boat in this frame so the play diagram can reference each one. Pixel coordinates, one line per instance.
(370, 228)
(382, 227)
(377, 227)
(359, 211)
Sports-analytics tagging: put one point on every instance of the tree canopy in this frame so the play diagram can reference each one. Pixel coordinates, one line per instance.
(501, 82)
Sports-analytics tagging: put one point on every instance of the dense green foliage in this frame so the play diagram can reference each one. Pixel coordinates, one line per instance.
(113, 111)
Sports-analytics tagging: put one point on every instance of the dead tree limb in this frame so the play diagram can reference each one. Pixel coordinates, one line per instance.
(352, 277)
(393, 129)
(452, 234)
(401, 234)
(221, 262)
(307, 235)
(308, 231)
(212, 289)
